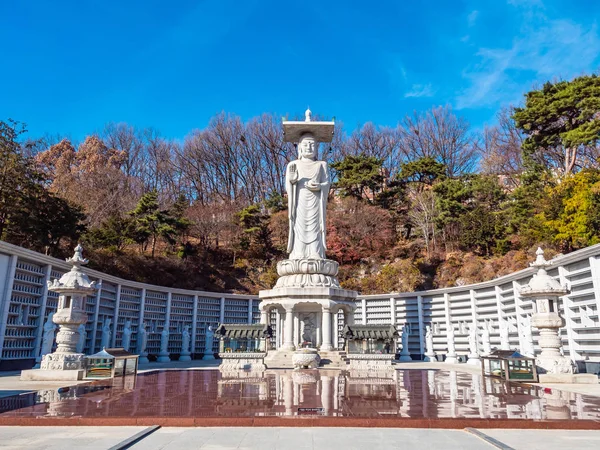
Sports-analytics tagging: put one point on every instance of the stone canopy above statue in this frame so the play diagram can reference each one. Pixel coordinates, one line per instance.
(322, 131)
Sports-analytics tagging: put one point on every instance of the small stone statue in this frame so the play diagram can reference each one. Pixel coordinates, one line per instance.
(163, 356)
(82, 337)
(504, 344)
(208, 344)
(429, 352)
(485, 338)
(142, 343)
(405, 354)
(527, 337)
(473, 345)
(49, 329)
(106, 333)
(451, 355)
(185, 344)
(126, 339)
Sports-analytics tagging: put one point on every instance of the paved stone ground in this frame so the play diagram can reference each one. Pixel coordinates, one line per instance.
(49, 438)
(52, 438)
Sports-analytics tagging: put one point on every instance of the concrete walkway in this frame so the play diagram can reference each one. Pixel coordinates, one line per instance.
(37, 438)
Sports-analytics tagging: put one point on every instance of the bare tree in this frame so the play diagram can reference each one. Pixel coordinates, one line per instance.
(441, 135)
(501, 148)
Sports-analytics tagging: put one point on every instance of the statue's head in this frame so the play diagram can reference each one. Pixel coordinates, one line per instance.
(307, 147)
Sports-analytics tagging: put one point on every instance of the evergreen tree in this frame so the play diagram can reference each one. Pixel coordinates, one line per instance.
(561, 122)
(151, 223)
(114, 234)
(359, 176)
(256, 236)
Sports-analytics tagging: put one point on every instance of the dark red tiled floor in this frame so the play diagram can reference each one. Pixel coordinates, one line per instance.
(406, 398)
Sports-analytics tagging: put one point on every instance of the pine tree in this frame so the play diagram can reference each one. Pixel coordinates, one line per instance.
(150, 222)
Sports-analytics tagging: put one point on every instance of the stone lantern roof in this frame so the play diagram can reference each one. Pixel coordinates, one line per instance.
(75, 281)
(542, 283)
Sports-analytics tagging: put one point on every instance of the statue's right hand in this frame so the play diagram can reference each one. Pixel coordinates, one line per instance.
(293, 173)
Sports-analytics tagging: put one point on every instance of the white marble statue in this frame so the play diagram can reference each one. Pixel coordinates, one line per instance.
(208, 344)
(142, 342)
(164, 340)
(307, 186)
(405, 353)
(429, 352)
(163, 355)
(185, 344)
(451, 355)
(82, 337)
(485, 338)
(527, 337)
(48, 340)
(106, 333)
(126, 339)
(473, 345)
(504, 343)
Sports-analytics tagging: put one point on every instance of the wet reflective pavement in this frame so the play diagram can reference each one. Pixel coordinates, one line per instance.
(311, 394)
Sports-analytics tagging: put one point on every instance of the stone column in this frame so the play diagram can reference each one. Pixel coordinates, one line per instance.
(336, 334)
(296, 330)
(326, 341)
(264, 317)
(288, 331)
(278, 330)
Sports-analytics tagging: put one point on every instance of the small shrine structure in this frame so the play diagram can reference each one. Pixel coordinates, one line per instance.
(65, 363)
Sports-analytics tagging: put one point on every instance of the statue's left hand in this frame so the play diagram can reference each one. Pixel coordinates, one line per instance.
(313, 185)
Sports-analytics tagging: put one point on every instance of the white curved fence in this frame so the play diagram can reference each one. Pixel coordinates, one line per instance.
(25, 304)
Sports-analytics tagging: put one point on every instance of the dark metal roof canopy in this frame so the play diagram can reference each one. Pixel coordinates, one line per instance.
(117, 353)
(507, 354)
(244, 331)
(361, 332)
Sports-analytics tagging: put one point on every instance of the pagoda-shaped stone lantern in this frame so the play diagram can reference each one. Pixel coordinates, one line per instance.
(73, 288)
(546, 291)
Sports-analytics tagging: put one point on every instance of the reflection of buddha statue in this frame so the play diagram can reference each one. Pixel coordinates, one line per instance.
(307, 186)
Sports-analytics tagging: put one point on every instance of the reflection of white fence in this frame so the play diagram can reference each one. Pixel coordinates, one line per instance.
(25, 304)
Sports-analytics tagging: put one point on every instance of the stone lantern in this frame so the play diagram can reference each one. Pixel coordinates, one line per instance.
(545, 291)
(73, 288)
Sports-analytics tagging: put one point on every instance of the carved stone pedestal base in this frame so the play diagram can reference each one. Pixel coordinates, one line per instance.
(405, 357)
(307, 273)
(474, 360)
(185, 357)
(62, 361)
(554, 364)
(451, 359)
(430, 357)
(57, 366)
(163, 357)
(370, 362)
(242, 362)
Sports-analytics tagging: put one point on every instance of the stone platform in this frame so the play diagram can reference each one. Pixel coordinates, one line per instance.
(52, 375)
(572, 378)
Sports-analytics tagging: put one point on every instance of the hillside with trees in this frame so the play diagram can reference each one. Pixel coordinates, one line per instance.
(428, 203)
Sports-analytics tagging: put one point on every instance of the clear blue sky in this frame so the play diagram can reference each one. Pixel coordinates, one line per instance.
(69, 67)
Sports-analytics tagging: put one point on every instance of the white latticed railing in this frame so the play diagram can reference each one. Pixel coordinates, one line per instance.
(25, 304)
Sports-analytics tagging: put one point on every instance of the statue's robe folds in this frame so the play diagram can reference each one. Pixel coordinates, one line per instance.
(307, 209)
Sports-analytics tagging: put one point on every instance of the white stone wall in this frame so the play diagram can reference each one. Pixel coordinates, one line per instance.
(25, 304)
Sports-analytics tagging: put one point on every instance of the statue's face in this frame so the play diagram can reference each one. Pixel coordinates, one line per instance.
(307, 148)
